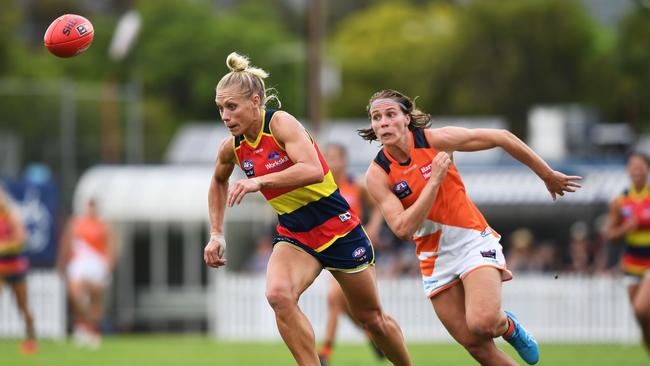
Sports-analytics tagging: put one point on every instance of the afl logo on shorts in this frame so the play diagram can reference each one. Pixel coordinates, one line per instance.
(359, 254)
(401, 189)
(248, 166)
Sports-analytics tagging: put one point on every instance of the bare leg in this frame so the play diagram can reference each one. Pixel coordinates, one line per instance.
(289, 273)
(95, 305)
(20, 291)
(450, 306)
(76, 296)
(361, 292)
(335, 306)
(640, 300)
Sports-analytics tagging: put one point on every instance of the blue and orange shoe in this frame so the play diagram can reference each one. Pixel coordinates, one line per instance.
(522, 341)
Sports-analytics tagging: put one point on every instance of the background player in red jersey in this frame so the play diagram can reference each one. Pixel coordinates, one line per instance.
(14, 264)
(629, 218)
(316, 229)
(421, 195)
(359, 199)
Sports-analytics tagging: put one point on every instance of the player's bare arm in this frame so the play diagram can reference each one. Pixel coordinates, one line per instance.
(405, 222)
(213, 254)
(452, 139)
(616, 227)
(306, 170)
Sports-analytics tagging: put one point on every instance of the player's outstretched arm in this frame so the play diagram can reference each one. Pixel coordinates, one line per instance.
(214, 251)
(403, 222)
(452, 139)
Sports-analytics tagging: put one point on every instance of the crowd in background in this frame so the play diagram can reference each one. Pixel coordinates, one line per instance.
(585, 252)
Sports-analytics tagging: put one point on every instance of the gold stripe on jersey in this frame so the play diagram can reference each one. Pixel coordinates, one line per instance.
(638, 238)
(300, 197)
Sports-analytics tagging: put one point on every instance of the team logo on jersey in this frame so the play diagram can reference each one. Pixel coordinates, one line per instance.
(273, 155)
(359, 254)
(401, 189)
(249, 168)
(492, 253)
(626, 211)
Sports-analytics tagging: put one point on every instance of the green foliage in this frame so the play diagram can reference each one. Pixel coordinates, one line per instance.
(488, 57)
(633, 61)
(404, 55)
(183, 47)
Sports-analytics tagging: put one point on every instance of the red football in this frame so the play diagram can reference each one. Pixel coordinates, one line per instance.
(69, 35)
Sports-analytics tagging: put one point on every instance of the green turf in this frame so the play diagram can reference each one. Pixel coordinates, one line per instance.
(197, 351)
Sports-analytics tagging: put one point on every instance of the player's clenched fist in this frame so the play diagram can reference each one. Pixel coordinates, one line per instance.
(440, 165)
(214, 252)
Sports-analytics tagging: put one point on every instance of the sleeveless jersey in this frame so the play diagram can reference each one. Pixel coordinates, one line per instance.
(453, 218)
(636, 204)
(89, 234)
(351, 191)
(315, 215)
(12, 261)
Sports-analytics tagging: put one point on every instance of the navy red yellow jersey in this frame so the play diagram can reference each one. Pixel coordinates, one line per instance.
(351, 191)
(12, 260)
(453, 218)
(635, 205)
(316, 214)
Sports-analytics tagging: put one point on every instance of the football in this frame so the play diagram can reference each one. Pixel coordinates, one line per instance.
(69, 35)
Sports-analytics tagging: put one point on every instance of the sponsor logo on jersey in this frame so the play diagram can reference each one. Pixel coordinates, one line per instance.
(249, 168)
(273, 155)
(426, 171)
(276, 163)
(345, 216)
(401, 189)
(492, 253)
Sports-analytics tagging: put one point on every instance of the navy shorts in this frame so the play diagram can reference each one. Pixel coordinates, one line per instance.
(351, 253)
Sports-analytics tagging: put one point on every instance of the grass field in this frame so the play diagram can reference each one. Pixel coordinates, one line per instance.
(167, 350)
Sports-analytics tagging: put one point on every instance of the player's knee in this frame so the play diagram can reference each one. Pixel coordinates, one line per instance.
(484, 325)
(372, 320)
(280, 297)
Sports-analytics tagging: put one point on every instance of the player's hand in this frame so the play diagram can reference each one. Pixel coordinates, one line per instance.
(558, 183)
(238, 190)
(629, 225)
(214, 252)
(440, 166)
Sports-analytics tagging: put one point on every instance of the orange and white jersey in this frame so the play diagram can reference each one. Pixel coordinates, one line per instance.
(89, 235)
(89, 260)
(455, 238)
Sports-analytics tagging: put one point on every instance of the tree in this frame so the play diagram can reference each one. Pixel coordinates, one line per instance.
(633, 61)
(393, 45)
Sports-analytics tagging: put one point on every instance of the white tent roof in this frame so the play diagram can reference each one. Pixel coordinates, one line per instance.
(179, 193)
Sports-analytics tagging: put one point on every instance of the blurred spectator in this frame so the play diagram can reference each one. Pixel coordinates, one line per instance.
(87, 256)
(545, 257)
(263, 248)
(579, 248)
(606, 257)
(14, 264)
(519, 254)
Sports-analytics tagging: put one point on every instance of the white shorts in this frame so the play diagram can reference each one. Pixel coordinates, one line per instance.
(89, 267)
(460, 252)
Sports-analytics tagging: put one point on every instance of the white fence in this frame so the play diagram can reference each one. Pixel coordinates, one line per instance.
(568, 309)
(47, 300)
